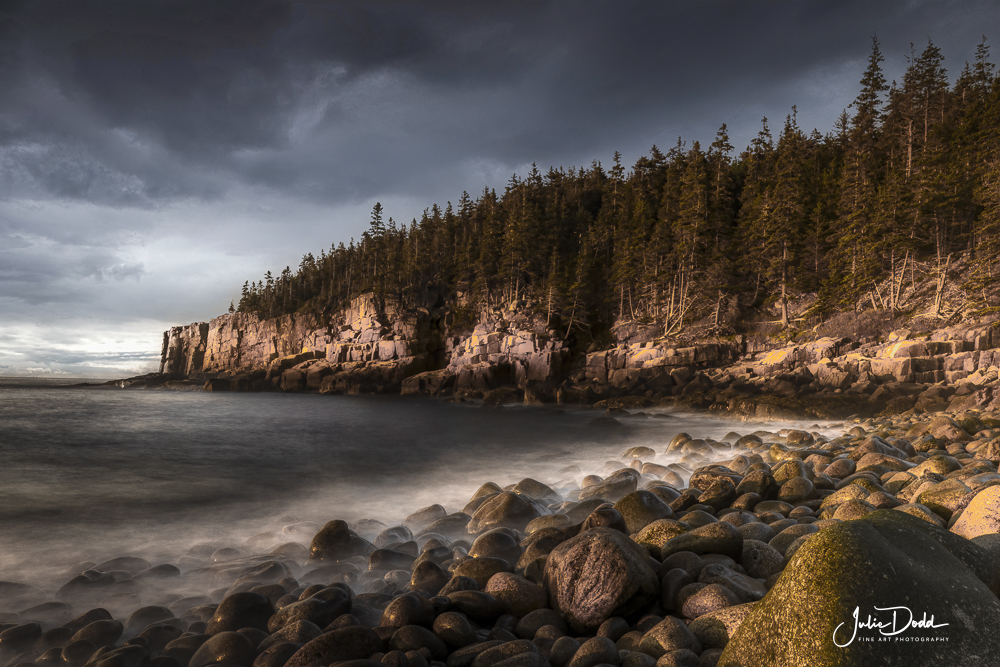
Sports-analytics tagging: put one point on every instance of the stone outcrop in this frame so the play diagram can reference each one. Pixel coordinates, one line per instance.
(184, 349)
(368, 348)
(385, 346)
(371, 347)
(657, 364)
(488, 359)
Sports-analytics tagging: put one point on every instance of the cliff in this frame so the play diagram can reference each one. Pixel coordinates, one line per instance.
(507, 355)
(377, 346)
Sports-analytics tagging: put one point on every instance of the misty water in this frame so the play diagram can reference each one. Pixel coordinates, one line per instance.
(92, 473)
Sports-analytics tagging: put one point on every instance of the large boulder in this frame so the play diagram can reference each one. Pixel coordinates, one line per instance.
(888, 589)
(598, 574)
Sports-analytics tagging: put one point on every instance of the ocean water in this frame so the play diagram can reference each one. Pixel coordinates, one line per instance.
(93, 473)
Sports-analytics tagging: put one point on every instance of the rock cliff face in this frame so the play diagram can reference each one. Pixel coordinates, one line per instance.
(388, 347)
(380, 343)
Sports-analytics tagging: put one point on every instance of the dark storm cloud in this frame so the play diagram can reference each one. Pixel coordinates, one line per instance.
(133, 103)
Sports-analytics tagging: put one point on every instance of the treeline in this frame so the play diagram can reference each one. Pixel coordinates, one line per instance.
(906, 183)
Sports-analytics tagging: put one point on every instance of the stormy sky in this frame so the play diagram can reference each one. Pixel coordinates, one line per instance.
(156, 155)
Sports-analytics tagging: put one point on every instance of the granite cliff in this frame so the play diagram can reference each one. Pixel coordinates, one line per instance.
(504, 355)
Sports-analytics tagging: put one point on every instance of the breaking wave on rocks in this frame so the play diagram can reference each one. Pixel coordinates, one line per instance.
(91, 474)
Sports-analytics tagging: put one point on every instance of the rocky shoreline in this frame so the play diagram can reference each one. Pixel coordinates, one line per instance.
(509, 357)
(879, 546)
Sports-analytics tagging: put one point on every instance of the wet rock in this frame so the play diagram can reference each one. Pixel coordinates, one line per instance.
(781, 541)
(454, 629)
(606, 517)
(641, 508)
(394, 535)
(596, 575)
(452, 527)
(385, 560)
(77, 652)
(760, 482)
(719, 494)
(760, 560)
(713, 630)
(481, 569)
(517, 595)
(335, 541)
(712, 597)
(415, 637)
(479, 606)
(428, 578)
(533, 621)
(670, 634)
(495, 655)
(159, 635)
(241, 610)
(182, 648)
(714, 538)
(614, 487)
(796, 490)
(144, 616)
(424, 516)
(746, 589)
(885, 559)
(496, 544)
(408, 609)
(20, 637)
(535, 489)
(230, 648)
(351, 643)
(507, 509)
(100, 633)
(53, 638)
(679, 658)
(299, 632)
(944, 498)
(275, 655)
(658, 533)
(595, 651)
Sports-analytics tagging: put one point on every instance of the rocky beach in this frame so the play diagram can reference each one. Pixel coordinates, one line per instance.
(520, 340)
(877, 546)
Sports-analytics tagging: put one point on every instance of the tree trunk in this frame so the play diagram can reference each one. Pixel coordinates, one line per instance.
(784, 284)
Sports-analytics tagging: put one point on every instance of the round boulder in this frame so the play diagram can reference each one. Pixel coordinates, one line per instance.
(599, 574)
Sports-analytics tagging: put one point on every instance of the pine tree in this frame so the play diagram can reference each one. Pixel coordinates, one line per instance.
(785, 226)
(858, 242)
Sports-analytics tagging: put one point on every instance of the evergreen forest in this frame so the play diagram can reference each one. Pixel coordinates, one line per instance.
(906, 184)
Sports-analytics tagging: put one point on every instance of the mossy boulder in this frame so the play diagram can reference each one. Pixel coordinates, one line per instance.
(887, 559)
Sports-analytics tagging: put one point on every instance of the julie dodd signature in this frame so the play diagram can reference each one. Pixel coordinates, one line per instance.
(891, 622)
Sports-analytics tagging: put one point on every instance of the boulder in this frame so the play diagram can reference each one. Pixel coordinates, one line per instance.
(505, 510)
(596, 575)
(335, 541)
(982, 516)
(855, 576)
